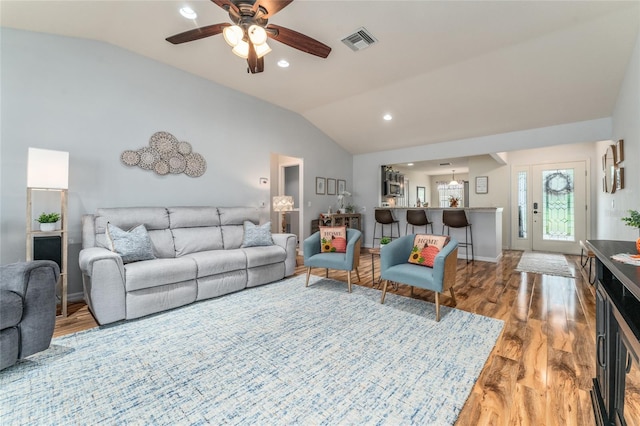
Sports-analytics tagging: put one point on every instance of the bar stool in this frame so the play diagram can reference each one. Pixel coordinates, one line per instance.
(458, 219)
(417, 218)
(384, 217)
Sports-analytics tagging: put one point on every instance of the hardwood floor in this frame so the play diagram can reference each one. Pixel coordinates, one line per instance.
(540, 370)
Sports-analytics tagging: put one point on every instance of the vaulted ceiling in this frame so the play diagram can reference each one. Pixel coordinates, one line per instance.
(445, 70)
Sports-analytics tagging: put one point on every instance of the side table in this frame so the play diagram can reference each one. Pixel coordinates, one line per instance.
(376, 284)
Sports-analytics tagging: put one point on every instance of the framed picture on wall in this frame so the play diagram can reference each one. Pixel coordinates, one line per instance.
(331, 186)
(320, 183)
(620, 151)
(342, 186)
(482, 184)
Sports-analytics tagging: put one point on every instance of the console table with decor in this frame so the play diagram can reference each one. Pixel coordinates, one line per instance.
(350, 220)
(615, 396)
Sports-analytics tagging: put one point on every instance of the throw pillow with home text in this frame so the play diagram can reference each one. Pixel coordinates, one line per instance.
(426, 248)
(333, 239)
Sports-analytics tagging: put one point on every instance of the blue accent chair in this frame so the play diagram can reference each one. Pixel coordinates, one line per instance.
(395, 267)
(348, 261)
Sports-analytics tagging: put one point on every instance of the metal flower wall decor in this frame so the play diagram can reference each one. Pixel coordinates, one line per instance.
(164, 155)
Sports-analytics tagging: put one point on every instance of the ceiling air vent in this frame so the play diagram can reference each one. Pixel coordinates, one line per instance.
(361, 39)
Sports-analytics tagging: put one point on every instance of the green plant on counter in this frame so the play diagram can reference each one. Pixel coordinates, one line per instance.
(633, 219)
(48, 218)
(350, 208)
(385, 240)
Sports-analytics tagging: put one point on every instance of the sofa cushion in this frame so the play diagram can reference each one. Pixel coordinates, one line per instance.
(257, 235)
(128, 217)
(237, 215)
(10, 309)
(264, 255)
(156, 272)
(193, 217)
(232, 236)
(193, 240)
(162, 241)
(132, 245)
(214, 262)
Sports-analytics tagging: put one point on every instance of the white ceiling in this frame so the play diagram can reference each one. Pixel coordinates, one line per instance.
(445, 69)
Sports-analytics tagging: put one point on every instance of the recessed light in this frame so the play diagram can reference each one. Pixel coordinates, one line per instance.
(387, 117)
(188, 13)
(282, 63)
(409, 164)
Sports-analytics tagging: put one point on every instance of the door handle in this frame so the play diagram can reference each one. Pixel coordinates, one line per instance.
(600, 350)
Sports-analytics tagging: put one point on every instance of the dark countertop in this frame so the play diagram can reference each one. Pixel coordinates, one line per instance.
(628, 275)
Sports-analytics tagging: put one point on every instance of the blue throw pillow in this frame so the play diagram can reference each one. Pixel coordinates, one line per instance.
(257, 235)
(132, 245)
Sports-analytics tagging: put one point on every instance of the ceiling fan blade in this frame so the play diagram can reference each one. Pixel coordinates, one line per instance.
(197, 34)
(271, 6)
(226, 5)
(298, 41)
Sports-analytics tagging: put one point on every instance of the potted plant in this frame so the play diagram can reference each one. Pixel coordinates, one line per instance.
(634, 220)
(384, 241)
(48, 221)
(342, 201)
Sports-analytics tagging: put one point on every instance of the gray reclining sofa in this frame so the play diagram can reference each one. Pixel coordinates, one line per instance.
(198, 256)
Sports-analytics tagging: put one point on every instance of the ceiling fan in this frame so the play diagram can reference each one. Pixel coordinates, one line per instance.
(248, 34)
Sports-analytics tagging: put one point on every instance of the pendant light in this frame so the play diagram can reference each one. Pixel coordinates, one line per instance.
(453, 180)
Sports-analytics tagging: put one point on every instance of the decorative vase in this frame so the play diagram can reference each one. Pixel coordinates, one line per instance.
(341, 211)
(638, 245)
(47, 227)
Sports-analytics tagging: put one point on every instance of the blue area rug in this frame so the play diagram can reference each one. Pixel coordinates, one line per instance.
(276, 354)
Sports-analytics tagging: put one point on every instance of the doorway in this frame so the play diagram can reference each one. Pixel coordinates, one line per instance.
(290, 181)
(550, 208)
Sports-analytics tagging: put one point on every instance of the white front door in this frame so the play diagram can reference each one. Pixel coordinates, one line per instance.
(550, 208)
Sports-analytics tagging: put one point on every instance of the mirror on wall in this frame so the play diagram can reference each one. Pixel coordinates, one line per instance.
(609, 161)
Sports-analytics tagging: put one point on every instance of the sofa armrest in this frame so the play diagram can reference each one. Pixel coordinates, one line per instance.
(289, 243)
(35, 282)
(103, 280)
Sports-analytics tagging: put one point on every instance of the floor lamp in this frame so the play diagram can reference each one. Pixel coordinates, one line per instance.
(283, 204)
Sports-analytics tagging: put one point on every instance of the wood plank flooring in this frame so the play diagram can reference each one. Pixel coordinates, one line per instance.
(540, 370)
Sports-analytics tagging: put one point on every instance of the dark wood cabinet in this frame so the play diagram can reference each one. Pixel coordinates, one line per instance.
(616, 387)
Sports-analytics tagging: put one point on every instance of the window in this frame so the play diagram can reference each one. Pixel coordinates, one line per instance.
(446, 191)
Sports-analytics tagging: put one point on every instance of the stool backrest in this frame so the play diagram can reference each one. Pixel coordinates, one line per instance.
(455, 218)
(417, 217)
(384, 216)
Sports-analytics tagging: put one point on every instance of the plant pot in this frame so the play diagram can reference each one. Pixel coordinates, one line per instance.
(638, 245)
(47, 227)
(341, 211)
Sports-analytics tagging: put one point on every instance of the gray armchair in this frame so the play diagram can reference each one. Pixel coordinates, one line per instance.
(348, 261)
(394, 266)
(27, 308)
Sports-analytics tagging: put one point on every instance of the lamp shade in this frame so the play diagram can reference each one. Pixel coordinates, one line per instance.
(282, 203)
(47, 169)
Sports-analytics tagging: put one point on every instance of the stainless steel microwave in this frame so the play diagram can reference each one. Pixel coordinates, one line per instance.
(392, 189)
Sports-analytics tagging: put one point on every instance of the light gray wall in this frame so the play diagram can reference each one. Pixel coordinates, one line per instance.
(95, 100)
(626, 125)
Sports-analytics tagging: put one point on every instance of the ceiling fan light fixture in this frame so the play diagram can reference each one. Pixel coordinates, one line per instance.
(241, 49)
(262, 49)
(257, 35)
(233, 35)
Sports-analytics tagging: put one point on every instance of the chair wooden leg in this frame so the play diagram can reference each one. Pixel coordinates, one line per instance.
(437, 306)
(411, 291)
(326, 274)
(384, 290)
(349, 280)
(453, 296)
(308, 274)
(358, 274)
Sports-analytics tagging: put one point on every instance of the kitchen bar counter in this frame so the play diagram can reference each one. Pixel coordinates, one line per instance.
(486, 223)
